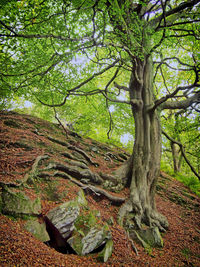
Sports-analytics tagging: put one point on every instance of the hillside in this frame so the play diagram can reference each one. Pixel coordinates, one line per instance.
(44, 168)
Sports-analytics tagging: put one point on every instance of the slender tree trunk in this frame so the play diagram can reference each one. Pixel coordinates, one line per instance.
(145, 166)
(177, 158)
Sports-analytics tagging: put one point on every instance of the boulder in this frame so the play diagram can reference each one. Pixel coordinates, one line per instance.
(89, 239)
(81, 198)
(75, 226)
(37, 229)
(18, 203)
(64, 216)
(95, 238)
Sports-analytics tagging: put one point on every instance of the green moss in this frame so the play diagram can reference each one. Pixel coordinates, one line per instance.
(12, 123)
(51, 192)
(177, 199)
(18, 203)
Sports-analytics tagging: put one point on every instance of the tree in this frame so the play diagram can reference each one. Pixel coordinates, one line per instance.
(183, 135)
(54, 50)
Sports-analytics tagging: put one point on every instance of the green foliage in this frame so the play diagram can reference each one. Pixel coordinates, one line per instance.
(190, 181)
(85, 221)
(184, 128)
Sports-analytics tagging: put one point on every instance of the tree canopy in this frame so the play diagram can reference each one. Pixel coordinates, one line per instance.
(52, 51)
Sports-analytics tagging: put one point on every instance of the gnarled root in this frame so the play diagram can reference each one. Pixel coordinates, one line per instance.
(140, 215)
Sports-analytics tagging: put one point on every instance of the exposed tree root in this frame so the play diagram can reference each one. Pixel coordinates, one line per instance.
(80, 151)
(113, 156)
(83, 153)
(109, 177)
(27, 175)
(141, 216)
(98, 191)
(70, 156)
(77, 172)
(77, 164)
(132, 244)
(57, 141)
(123, 173)
(34, 168)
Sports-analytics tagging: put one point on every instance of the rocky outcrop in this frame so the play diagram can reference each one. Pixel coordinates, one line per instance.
(72, 226)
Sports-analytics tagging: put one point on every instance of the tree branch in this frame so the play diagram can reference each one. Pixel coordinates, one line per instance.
(79, 86)
(120, 87)
(180, 104)
(115, 100)
(177, 10)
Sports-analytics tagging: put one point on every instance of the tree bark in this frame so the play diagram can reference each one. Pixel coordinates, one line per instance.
(145, 166)
(177, 158)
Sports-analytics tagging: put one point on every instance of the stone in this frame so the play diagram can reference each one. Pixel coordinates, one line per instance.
(81, 198)
(88, 235)
(64, 216)
(105, 254)
(38, 230)
(16, 202)
(149, 237)
(94, 149)
(95, 238)
(78, 226)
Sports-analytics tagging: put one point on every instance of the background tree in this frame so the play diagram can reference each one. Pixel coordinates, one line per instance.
(55, 50)
(182, 131)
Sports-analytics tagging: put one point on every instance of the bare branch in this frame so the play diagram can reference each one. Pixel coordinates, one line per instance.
(190, 67)
(60, 123)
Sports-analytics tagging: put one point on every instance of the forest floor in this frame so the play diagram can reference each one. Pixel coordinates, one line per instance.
(23, 138)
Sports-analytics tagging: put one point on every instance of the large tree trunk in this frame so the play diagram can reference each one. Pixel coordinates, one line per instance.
(144, 165)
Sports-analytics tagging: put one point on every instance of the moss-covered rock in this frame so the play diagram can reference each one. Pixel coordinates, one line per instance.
(18, 203)
(95, 238)
(81, 198)
(37, 229)
(81, 228)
